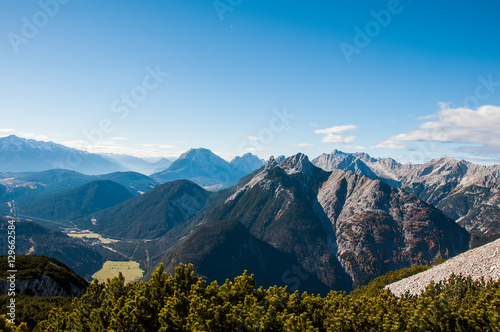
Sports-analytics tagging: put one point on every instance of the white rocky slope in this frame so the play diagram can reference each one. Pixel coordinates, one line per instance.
(479, 262)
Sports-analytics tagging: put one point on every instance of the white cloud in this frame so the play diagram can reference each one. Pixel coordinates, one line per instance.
(36, 137)
(464, 126)
(115, 146)
(119, 138)
(391, 144)
(335, 134)
(333, 138)
(255, 150)
(253, 138)
(336, 130)
(158, 146)
(357, 147)
(7, 131)
(300, 144)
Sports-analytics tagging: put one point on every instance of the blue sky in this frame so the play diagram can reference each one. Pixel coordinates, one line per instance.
(413, 80)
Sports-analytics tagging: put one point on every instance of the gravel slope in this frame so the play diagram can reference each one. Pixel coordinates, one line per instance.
(479, 262)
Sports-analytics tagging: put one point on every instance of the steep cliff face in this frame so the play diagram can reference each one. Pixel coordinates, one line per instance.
(346, 228)
(379, 228)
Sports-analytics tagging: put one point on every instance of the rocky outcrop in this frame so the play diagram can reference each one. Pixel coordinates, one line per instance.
(43, 286)
(40, 276)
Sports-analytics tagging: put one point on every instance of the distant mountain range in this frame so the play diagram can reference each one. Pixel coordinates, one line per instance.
(199, 165)
(208, 170)
(466, 192)
(27, 155)
(138, 164)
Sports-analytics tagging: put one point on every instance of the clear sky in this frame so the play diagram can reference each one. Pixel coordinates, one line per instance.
(412, 80)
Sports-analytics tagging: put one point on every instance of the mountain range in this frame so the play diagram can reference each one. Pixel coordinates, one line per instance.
(344, 227)
(202, 166)
(320, 230)
(334, 230)
(28, 155)
(466, 192)
(208, 170)
(334, 223)
(139, 165)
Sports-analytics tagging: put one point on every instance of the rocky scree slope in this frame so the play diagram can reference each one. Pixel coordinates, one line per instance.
(477, 263)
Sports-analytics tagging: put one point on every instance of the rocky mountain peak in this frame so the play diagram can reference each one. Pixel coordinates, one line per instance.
(298, 163)
(272, 162)
(338, 153)
(198, 152)
(247, 163)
